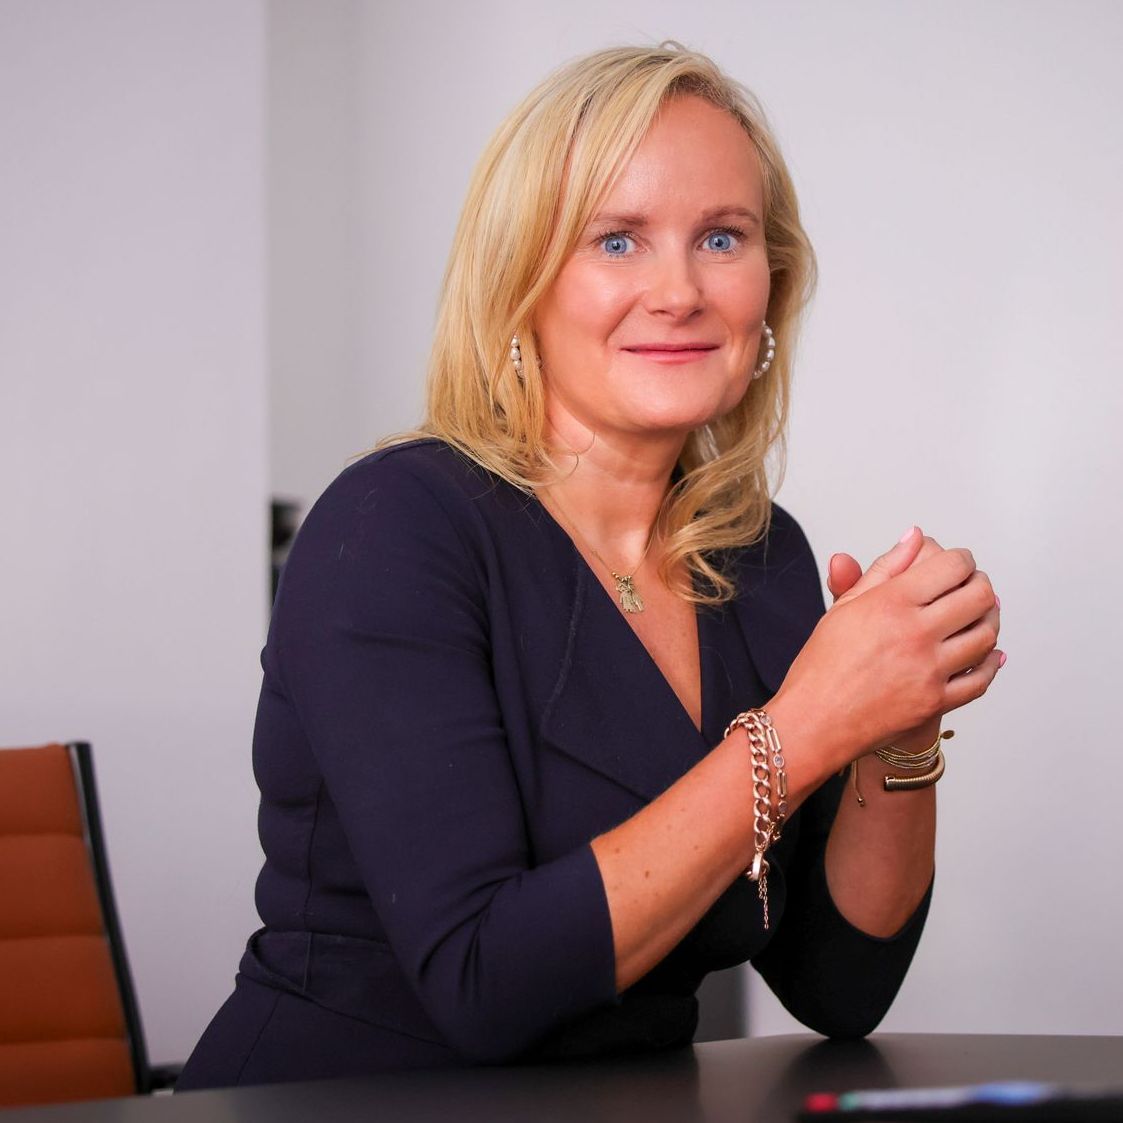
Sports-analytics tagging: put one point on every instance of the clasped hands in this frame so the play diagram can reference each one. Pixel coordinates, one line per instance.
(909, 640)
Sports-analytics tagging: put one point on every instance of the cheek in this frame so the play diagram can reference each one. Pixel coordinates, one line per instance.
(743, 299)
(586, 306)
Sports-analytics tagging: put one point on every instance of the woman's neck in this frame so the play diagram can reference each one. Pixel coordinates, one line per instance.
(611, 494)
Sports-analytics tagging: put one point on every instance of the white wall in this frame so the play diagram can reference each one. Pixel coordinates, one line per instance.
(316, 375)
(959, 166)
(133, 552)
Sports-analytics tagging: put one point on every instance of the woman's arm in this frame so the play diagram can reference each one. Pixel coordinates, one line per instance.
(381, 640)
(881, 666)
(880, 857)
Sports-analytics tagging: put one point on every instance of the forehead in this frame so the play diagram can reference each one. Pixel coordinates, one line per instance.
(695, 155)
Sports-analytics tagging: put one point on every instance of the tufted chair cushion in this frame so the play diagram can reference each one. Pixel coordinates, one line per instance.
(62, 1027)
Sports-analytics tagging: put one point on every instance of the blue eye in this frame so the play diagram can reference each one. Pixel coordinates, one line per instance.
(616, 245)
(720, 241)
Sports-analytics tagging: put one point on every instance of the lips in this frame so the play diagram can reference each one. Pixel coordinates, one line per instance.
(672, 354)
(645, 348)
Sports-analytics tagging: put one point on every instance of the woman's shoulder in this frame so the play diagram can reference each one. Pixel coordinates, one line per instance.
(416, 498)
(413, 479)
(399, 508)
(422, 461)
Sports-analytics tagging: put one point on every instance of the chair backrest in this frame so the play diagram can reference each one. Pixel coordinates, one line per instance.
(66, 999)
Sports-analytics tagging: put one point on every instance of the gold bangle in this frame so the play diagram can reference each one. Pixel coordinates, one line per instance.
(929, 761)
(913, 783)
(924, 759)
(908, 764)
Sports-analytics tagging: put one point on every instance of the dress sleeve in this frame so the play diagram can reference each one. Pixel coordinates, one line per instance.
(382, 641)
(833, 977)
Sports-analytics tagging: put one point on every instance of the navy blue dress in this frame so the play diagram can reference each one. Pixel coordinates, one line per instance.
(452, 709)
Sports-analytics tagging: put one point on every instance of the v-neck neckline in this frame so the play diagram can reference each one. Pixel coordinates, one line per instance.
(705, 651)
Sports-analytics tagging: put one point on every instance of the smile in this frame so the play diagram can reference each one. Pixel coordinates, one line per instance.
(672, 352)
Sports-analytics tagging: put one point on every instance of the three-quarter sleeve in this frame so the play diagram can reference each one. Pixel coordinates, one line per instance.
(381, 639)
(836, 979)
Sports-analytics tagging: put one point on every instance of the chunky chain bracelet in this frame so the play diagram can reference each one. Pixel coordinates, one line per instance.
(767, 761)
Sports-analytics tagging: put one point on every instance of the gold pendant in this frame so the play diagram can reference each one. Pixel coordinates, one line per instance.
(630, 600)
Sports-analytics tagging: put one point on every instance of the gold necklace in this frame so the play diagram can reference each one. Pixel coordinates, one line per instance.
(630, 599)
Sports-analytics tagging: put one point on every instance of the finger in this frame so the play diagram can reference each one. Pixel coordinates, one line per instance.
(843, 572)
(969, 647)
(964, 688)
(939, 574)
(961, 607)
(929, 549)
(890, 564)
(901, 556)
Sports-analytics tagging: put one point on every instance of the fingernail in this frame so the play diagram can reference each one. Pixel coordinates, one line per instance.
(997, 602)
(906, 536)
(1001, 659)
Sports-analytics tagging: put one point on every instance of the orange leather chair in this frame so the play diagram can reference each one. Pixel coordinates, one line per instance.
(69, 1024)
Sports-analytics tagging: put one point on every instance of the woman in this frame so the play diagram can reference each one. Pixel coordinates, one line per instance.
(502, 813)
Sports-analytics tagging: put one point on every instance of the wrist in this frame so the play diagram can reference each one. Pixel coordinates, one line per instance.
(815, 748)
(917, 739)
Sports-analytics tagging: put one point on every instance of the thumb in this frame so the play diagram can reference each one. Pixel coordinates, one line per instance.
(843, 573)
(898, 559)
(891, 563)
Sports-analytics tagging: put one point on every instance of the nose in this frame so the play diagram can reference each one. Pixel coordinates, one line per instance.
(674, 286)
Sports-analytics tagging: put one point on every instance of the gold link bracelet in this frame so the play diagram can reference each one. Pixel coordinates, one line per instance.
(767, 760)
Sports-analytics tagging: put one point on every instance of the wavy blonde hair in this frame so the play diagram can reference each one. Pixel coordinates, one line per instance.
(536, 187)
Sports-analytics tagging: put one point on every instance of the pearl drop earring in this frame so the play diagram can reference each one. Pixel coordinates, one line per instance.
(769, 342)
(516, 356)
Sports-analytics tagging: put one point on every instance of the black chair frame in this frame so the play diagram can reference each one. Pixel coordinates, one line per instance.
(148, 1077)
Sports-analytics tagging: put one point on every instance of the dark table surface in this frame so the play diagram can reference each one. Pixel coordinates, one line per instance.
(739, 1081)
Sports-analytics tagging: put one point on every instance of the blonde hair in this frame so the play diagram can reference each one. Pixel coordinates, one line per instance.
(534, 190)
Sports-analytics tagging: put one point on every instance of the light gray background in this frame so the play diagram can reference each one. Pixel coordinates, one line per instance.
(222, 229)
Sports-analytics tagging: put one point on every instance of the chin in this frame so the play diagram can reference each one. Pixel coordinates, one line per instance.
(682, 418)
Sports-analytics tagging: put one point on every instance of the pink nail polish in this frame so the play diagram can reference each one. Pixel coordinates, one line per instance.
(998, 602)
(906, 536)
(1001, 659)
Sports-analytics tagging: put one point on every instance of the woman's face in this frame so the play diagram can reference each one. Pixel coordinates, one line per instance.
(654, 323)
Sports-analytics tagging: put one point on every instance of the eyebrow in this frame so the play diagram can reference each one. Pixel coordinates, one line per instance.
(634, 221)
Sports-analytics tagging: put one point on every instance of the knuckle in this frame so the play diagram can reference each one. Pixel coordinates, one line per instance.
(965, 561)
(976, 684)
(984, 587)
